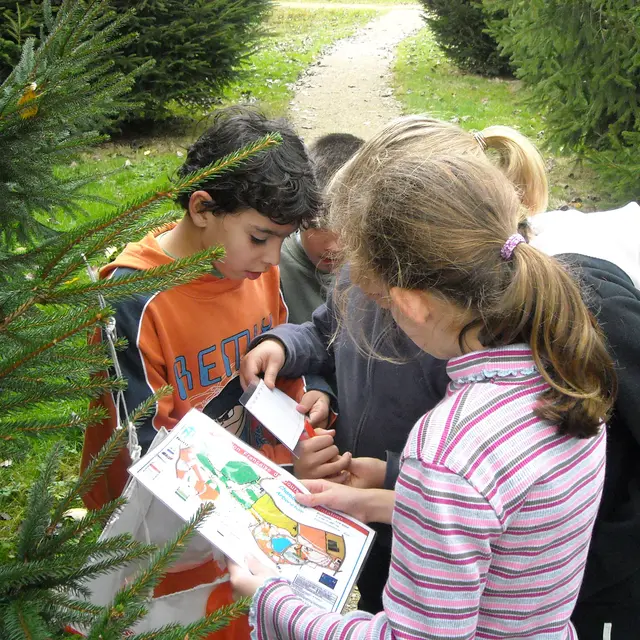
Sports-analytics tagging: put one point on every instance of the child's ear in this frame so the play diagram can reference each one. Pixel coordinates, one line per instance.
(197, 207)
(411, 303)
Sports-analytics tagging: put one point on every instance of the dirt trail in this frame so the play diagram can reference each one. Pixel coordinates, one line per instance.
(348, 89)
(345, 5)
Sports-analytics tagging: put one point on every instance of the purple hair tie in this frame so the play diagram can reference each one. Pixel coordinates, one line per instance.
(512, 242)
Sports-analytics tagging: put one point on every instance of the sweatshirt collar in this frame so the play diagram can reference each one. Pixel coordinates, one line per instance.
(514, 361)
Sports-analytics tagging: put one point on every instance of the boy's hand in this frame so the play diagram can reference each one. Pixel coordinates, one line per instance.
(318, 457)
(366, 473)
(268, 358)
(316, 405)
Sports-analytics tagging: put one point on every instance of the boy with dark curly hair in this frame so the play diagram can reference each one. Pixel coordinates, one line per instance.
(193, 336)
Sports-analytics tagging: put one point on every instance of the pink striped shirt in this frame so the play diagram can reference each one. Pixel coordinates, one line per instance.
(492, 521)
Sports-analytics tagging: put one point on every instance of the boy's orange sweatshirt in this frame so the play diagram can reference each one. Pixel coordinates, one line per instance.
(191, 337)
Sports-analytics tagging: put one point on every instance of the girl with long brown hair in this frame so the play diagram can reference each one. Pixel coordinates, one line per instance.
(500, 483)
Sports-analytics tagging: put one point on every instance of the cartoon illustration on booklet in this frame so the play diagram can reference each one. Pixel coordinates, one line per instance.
(319, 551)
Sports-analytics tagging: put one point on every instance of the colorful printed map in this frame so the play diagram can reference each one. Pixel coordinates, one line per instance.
(278, 536)
(256, 512)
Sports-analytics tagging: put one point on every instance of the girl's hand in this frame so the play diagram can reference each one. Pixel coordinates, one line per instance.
(246, 581)
(318, 457)
(329, 494)
(316, 404)
(366, 505)
(268, 358)
(366, 473)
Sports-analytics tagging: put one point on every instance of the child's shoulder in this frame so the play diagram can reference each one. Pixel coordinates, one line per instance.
(482, 428)
(293, 257)
(501, 449)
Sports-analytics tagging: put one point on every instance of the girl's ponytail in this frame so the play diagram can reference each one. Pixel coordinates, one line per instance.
(521, 162)
(543, 305)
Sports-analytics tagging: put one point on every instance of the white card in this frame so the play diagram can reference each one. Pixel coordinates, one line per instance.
(278, 413)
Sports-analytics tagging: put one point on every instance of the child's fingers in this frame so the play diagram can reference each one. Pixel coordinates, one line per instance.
(249, 370)
(313, 445)
(325, 432)
(341, 478)
(328, 454)
(313, 486)
(311, 500)
(271, 373)
(330, 469)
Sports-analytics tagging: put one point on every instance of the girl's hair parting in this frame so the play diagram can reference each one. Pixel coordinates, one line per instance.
(417, 218)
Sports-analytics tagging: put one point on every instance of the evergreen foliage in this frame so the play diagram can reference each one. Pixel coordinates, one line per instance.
(582, 60)
(198, 47)
(460, 29)
(68, 72)
(49, 306)
(190, 50)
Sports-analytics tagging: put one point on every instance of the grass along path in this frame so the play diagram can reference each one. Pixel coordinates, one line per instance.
(298, 34)
(426, 82)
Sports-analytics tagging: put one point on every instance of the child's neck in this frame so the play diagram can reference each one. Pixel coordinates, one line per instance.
(181, 241)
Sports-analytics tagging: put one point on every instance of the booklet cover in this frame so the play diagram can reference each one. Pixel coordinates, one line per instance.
(318, 550)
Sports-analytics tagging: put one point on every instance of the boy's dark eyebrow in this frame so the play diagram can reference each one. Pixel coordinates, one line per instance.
(271, 232)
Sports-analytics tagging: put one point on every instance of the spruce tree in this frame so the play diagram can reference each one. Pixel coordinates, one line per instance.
(59, 94)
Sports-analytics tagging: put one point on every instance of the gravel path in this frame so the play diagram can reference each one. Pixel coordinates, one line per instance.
(348, 89)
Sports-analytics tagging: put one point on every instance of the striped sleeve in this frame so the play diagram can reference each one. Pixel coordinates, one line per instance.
(442, 534)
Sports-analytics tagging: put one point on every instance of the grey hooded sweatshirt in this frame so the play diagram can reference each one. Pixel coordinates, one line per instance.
(369, 423)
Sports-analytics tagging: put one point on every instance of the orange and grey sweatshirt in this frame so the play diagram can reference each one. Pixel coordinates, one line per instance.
(191, 337)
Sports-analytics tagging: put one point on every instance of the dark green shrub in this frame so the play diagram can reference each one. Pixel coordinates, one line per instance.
(18, 21)
(460, 29)
(198, 47)
(582, 61)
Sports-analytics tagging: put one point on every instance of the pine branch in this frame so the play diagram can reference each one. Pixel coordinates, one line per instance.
(69, 72)
(126, 609)
(105, 457)
(225, 164)
(39, 320)
(39, 505)
(31, 399)
(68, 572)
(76, 529)
(22, 621)
(73, 360)
(67, 366)
(62, 610)
(108, 234)
(212, 623)
(29, 354)
(157, 278)
(23, 425)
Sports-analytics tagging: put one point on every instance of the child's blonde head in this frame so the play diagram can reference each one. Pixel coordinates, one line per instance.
(434, 217)
(514, 154)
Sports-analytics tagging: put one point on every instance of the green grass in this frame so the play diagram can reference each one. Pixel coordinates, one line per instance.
(21, 466)
(426, 82)
(297, 37)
